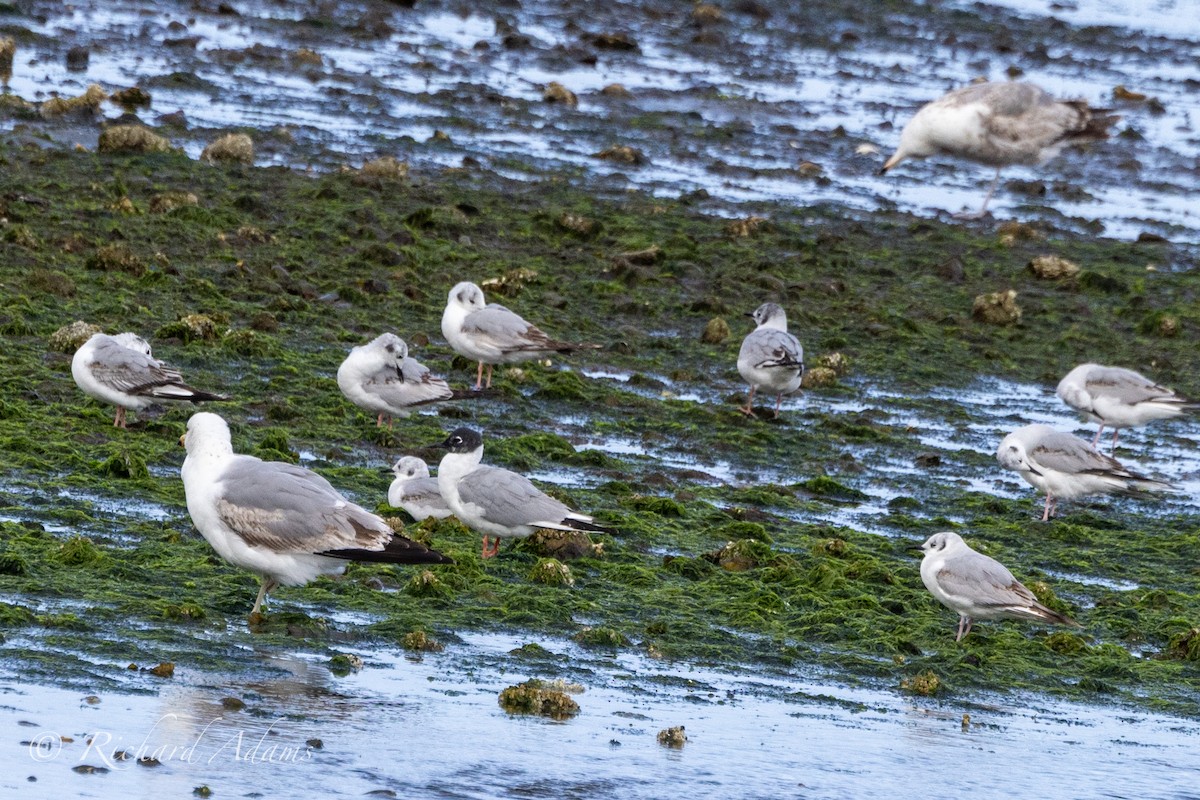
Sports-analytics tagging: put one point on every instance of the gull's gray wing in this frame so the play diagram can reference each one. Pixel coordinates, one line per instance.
(508, 498)
(408, 385)
(508, 332)
(290, 509)
(1021, 119)
(770, 347)
(1066, 453)
(133, 372)
(983, 581)
(1127, 386)
(424, 491)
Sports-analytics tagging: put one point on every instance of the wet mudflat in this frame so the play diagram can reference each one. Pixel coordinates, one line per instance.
(813, 631)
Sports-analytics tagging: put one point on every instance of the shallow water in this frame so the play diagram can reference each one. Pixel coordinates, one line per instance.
(431, 727)
(736, 114)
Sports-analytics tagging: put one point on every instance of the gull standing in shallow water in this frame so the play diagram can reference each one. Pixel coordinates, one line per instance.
(491, 334)
(977, 586)
(1118, 397)
(1065, 466)
(771, 359)
(380, 377)
(120, 370)
(999, 124)
(416, 492)
(495, 501)
(284, 522)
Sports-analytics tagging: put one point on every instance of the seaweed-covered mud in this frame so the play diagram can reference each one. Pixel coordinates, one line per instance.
(775, 549)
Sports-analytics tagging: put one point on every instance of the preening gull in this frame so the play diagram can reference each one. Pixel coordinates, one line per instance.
(1065, 466)
(1118, 397)
(416, 492)
(380, 377)
(495, 501)
(121, 370)
(771, 359)
(999, 124)
(977, 586)
(284, 522)
(491, 334)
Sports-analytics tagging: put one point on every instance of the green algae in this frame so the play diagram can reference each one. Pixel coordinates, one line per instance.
(334, 256)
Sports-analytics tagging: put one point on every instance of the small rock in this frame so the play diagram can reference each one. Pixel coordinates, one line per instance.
(817, 378)
(132, 139)
(997, 308)
(232, 147)
(555, 92)
(552, 572)
(836, 362)
(131, 98)
(576, 223)
(165, 669)
(614, 41)
(1052, 267)
(706, 14)
(1119, 92)
(69, 338)
(422, 642)
(715, 332)
(536, 697)
(616, 90)
(672, 737)
(743, 228)
(927, 460)
(925, 684)
(77, 59)
(563, 545)
(623, 154)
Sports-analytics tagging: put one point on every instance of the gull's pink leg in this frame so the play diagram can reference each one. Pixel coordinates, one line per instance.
(479, 377)
(379, 420)
(119, 419)
(983, 209)
(1096, 440)
(1116, 431)
(778, 403)
(749, 409)
(1046, 512)
(489, 385)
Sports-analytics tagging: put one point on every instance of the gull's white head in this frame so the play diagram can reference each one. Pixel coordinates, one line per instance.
(945, 543)
(1072, 389)
(770, 315)
(207, 434)
(410, 468)
(1013, 452)
(466, 296)
(133, 342)
(390, 347)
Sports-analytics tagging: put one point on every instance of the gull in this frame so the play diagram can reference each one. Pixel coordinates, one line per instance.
(999, 124)
(495, 501)
(282, 521)
(379, 376)
(771, 359)
(977, 586)
(416, 492)
(1065, 466)
(491, 334)
(1118, 398)
(120, 370)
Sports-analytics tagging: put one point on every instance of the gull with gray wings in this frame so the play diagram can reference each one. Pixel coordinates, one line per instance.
(498, 502)
(281, 521)
(978, 586)
(1065, 466)
(121, 370)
